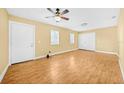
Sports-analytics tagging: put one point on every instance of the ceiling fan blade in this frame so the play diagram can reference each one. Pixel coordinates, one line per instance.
(65, 18)
(65, 12)
(49, 9)
(49, 16)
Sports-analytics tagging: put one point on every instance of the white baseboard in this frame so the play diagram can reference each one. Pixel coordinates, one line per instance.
(39, 57)
(86, 49)
(56, 53)
(107, 52)
(102, 52)
(64, 51)
(4, 72)
(122, 71)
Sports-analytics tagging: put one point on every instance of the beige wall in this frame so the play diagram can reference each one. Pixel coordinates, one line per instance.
(121, 39)
(106, 39)
(43, 37)
(3, 39)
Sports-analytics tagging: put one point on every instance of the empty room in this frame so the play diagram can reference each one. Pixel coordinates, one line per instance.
(61, 46)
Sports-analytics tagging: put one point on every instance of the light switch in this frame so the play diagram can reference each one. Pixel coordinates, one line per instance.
(39, 41)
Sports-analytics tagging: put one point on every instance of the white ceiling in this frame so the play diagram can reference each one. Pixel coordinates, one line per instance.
(95, 17)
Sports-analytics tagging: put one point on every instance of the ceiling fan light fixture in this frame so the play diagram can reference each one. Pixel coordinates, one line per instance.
(58, 15)
(57, 18)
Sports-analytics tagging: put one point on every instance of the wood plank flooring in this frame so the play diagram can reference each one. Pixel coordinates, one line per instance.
(76, 67)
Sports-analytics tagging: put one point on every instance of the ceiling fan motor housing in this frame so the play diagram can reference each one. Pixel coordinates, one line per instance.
(57, 11)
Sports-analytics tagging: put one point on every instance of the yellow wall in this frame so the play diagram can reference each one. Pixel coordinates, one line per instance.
(43, 37)
(106, 39)
(121, 38)
(3, 39)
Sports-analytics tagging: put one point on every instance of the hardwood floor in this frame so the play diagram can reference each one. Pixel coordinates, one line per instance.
(77, 67)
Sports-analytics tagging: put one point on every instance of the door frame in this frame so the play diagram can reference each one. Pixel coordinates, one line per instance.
(94, 41)
(10, 29)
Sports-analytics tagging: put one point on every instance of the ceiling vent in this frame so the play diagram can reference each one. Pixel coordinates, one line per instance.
(84, 24)
(113, 17)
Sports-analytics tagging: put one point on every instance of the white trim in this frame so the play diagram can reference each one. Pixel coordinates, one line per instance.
(9, 43)
(102, 52)
(10, 22)
(4, 72)
(122, 71)
(64, 51)
(87, 50)
(55, 53)
(39, 57)
(107, 52)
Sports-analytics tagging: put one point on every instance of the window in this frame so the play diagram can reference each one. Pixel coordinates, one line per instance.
(71, 38)
(54, 37)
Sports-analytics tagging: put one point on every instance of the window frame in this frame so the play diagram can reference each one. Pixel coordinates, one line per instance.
(52, 37)
(72, 38)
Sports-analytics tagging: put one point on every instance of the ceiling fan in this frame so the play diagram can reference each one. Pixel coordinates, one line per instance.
(57, 14)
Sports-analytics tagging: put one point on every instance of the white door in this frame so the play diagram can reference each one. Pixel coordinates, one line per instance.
(87, 41)
(22, 42)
